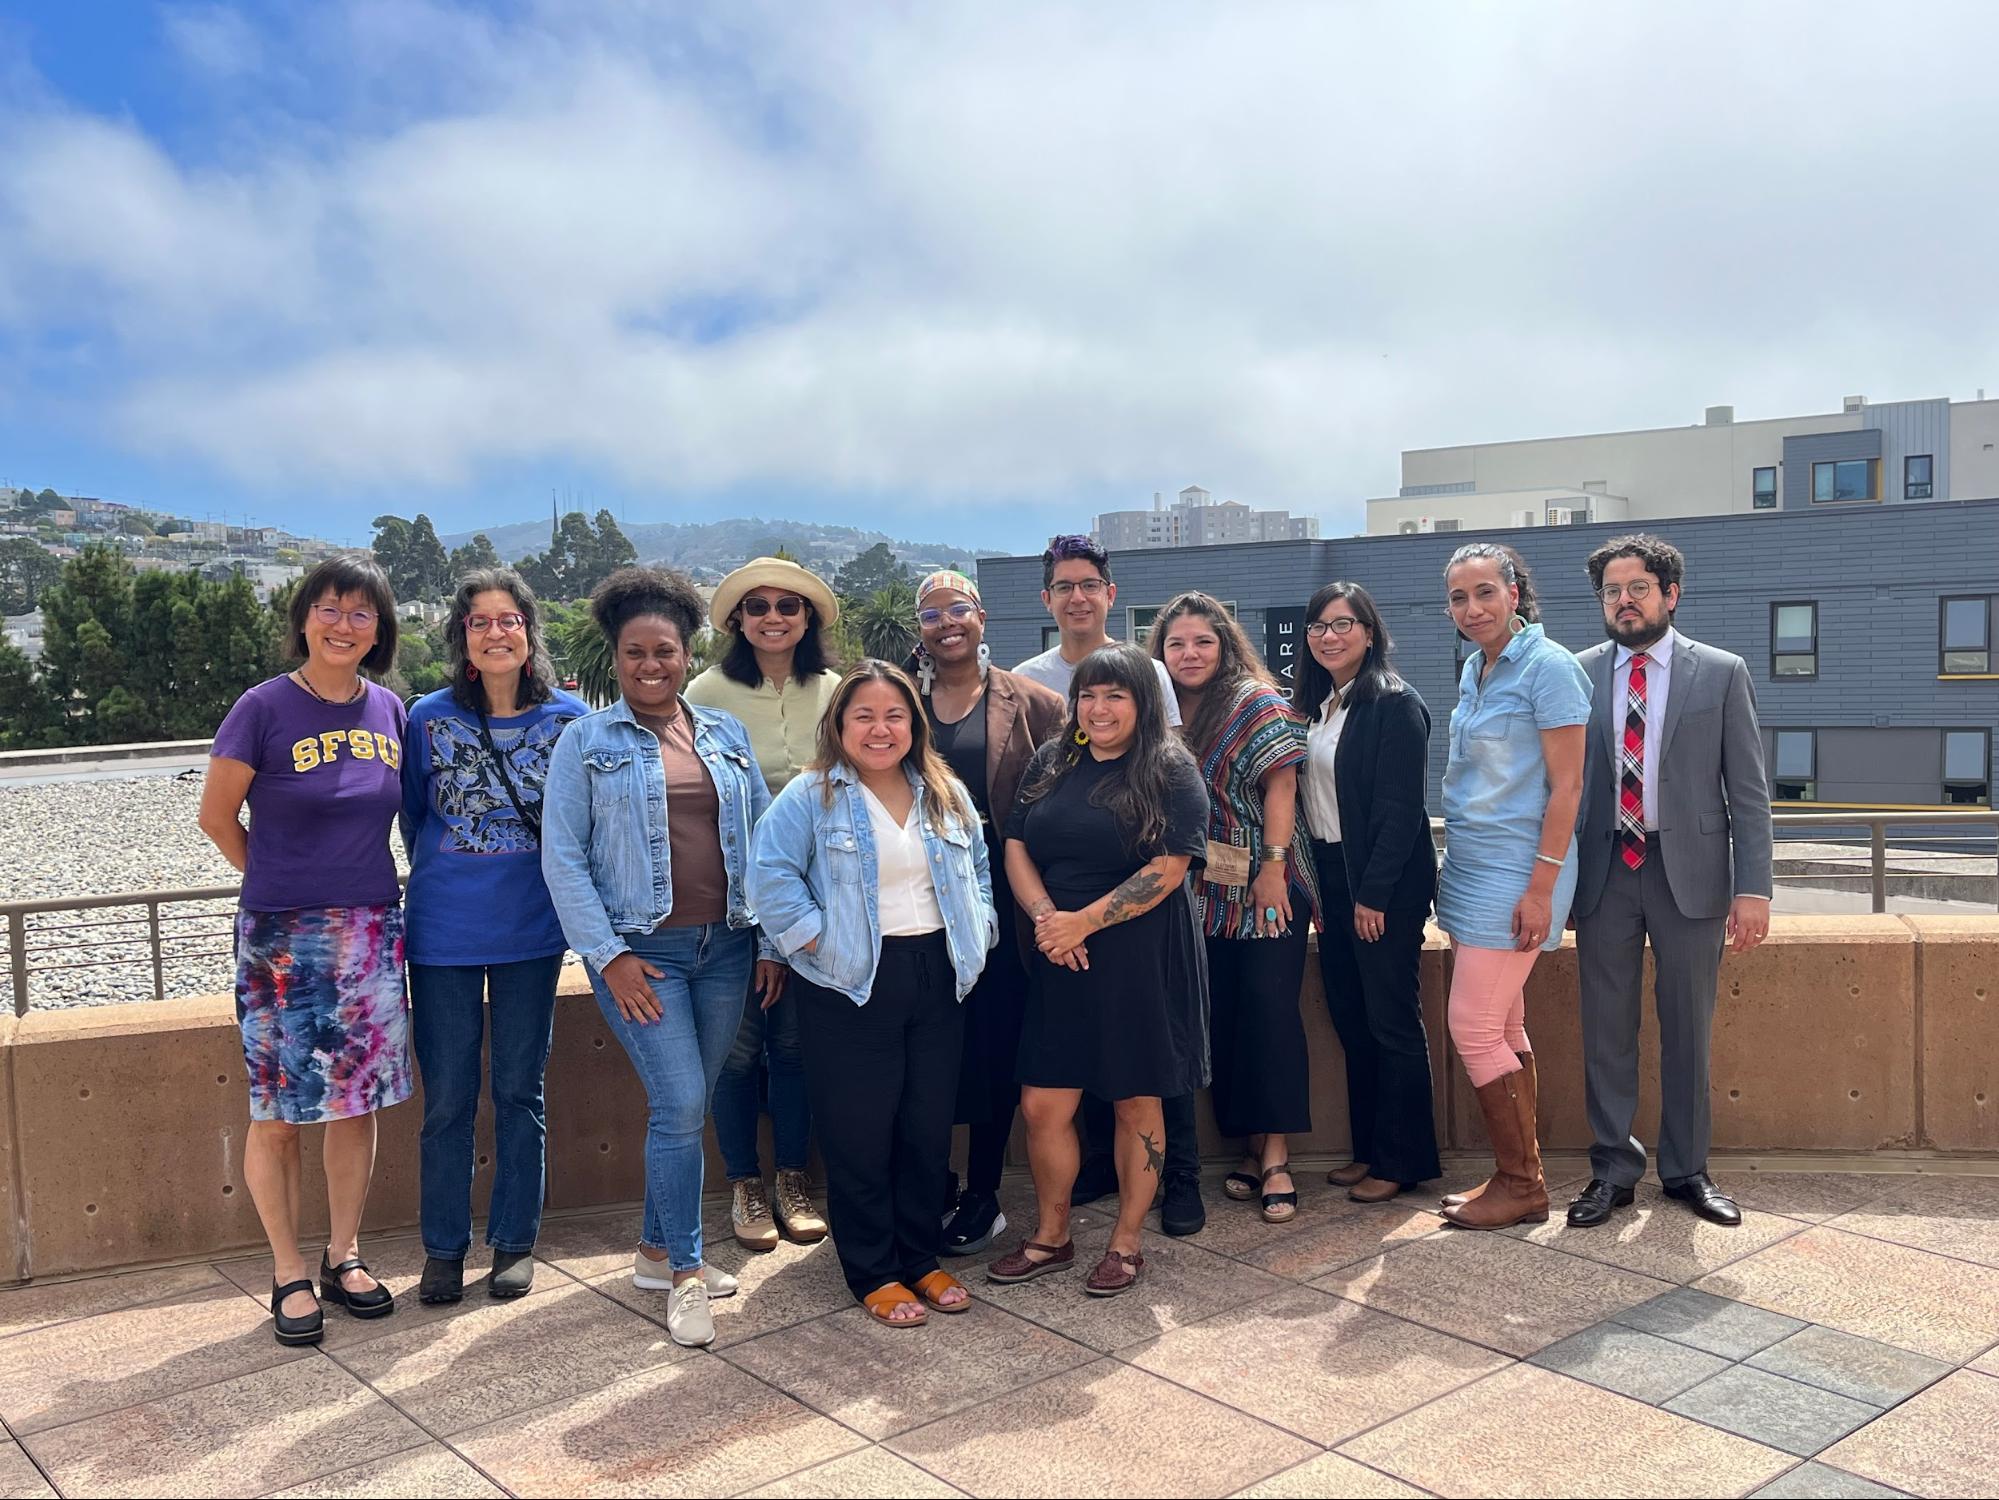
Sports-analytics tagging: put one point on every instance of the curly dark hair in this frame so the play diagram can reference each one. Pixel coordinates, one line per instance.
(1665, 562)
(1239, 663)
(1137, 792)
(349, 573)
(1512, 568)
(632, 593)
(537, 677)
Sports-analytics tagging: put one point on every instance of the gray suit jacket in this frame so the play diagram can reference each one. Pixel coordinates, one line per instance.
(1714, 799)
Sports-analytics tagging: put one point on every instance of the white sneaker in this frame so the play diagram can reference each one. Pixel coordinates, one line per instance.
(689, 1321)
(650, 1275)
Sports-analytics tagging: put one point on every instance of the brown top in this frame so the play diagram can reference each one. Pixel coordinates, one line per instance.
(693, 817)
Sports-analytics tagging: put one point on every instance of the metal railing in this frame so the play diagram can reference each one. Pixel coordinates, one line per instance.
(28, 941)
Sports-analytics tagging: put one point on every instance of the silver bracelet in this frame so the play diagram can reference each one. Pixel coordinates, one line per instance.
(1548, 859)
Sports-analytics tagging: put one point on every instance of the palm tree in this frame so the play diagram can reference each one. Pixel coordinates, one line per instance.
(884, 622)
(584, 655)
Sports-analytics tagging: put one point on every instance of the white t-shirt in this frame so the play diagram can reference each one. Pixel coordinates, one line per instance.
(1322, 796)
(1050, 670)
(906, 899)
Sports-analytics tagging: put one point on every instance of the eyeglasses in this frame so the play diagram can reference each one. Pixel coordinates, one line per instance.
(790, 606)
(1338, 627)
(1637, 592)
(509, 622)
(957, 613)
(1090, 588)
(333, 614)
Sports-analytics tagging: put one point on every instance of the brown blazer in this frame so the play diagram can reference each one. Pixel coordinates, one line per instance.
(1021, 716)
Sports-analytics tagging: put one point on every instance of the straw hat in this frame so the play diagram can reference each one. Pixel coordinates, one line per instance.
(774, 573)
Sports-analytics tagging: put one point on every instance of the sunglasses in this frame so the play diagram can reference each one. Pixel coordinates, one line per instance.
(790, 606)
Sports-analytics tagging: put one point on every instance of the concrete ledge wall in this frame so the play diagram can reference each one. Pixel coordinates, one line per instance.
(121, 1127)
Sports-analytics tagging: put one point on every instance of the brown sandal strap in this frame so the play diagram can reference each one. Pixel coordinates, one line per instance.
(1270, 1172)
(1037, 1245)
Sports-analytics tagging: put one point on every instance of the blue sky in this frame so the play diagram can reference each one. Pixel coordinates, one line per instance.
(958, 271)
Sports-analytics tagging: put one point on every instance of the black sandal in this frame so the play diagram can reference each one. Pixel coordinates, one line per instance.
(1279, 1208)
(377, 1302)
(1240, 1185)
(293, 1332)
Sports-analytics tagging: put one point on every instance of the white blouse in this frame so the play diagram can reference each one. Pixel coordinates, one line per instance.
(1322, 797)
(907, 900)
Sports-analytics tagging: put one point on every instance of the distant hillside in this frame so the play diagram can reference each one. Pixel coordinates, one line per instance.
(711, 548)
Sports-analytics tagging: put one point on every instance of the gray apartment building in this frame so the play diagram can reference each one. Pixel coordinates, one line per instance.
(1868, 628)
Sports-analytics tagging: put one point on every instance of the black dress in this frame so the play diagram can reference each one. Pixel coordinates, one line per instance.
(1135, 1022)
(987, 1088)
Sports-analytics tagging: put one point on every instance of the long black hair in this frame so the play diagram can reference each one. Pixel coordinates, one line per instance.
(537, 674)
(1138, 790)
(1236, 664)
(1375, 679)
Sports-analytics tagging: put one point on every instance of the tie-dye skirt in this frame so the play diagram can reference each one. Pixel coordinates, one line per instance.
(320, 1000)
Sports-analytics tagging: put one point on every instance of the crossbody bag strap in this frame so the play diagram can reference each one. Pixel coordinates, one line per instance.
(532, 819)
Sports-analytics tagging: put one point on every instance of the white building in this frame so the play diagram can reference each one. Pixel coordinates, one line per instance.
(1197, 519)
(1865, 453)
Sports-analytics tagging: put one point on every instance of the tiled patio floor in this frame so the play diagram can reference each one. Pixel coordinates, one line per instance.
(1842, 1342)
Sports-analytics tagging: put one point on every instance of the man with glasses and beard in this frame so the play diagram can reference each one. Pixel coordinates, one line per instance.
(1675, 848)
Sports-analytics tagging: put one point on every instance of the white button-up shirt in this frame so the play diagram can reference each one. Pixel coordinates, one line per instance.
(1322, 797)
(1658, 676)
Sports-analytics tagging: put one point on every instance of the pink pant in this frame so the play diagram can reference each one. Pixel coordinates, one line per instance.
(1488, 1009)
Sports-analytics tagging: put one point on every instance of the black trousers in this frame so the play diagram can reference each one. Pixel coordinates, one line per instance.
(883, 1080)
(1256, 1037)
(1374, 996)
(1183, 1149)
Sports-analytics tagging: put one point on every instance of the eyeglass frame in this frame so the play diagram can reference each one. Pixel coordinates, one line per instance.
(1637, 591)
(957, 613)
(756, 606)
(331, 615)
(1344, 625)
(1092, 588)
(512, 621)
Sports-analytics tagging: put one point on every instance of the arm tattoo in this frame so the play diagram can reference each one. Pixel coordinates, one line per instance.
(1155, 1159)
(1134, 898)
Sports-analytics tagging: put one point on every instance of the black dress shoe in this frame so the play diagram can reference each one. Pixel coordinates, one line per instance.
(1593, 1205)
(377, 1302)
(1700, 1194)
(296, 1332)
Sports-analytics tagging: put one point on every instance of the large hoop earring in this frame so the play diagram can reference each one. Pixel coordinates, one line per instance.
(1517, 624)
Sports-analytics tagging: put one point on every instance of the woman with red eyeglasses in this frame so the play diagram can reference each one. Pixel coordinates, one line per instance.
(777, 676)
(484, 943)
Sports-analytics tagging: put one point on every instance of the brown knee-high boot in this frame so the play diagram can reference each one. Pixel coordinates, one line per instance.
(1517, 1193)
(1533, 1086)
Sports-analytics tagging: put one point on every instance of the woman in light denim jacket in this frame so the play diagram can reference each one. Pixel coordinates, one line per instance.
(647, 819)
(871, 874)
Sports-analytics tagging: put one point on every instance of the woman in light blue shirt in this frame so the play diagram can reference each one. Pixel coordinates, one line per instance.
(645, 845)
(871, 873)
(1511, 792)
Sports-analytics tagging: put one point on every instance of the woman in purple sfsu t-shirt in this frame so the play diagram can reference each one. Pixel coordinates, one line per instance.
(317, 755)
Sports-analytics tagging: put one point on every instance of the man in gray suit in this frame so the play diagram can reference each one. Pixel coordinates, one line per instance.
(1675, 847)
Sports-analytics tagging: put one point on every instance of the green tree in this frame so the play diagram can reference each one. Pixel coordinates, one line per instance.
(85, 619)
(470, 558)
(28, 717)
(428, 569)
(391, 547)
(135, 525)
(610, 550)
(869, 573)
(884, 623)
(27, 571)
(584, 654)
(579, 557)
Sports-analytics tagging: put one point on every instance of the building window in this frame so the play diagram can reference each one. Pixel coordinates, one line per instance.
(1918, 470)
(1051, 637)
(1844, 479)
(1794, 640)
(1965, 637)
(1795, 766)
(1763, 494)
(1448, 524)
(1967, 769)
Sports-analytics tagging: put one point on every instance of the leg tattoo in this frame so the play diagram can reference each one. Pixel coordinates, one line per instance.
(1155, 1159)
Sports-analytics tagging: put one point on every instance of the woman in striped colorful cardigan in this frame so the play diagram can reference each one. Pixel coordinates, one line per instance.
(1258, 893)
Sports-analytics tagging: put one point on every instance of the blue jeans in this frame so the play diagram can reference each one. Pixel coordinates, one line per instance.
(705, 973)
(449, 1008)
(769, 1033)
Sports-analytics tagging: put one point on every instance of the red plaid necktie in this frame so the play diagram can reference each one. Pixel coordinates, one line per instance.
(1631, 772)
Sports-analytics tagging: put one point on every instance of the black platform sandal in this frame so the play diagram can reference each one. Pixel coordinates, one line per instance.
(294, 1332)
(1279, 1208)
(377, 1302)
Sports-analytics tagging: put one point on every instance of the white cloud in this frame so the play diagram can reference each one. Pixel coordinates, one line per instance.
(950, 250)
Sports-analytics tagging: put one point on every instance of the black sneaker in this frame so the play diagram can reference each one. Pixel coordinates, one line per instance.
(513, 1274)
(1097, 1179)
(1181, 1211)
(443, 1280)
(976, 1224)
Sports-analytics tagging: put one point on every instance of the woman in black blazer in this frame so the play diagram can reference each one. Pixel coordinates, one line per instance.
(1363, 783)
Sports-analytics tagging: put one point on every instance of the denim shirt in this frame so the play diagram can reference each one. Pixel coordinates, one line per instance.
(1496, 788)
(814, 875)
(604, 850)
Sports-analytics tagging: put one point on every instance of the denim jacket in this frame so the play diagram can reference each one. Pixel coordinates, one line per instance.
(604, 851)
(813, 875)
